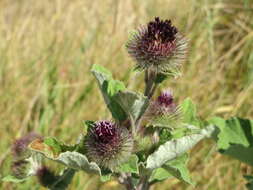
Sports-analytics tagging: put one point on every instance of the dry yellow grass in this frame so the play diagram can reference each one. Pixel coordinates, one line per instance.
(47, 48)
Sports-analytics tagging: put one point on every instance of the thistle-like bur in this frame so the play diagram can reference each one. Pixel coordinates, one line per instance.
(21, 165)
(19, 147)
(108, 144)
(159, 46)
(163, 111)
(20, 168)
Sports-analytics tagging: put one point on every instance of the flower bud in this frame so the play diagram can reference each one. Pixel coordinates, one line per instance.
(163, 111)
(158, 45)
(108, 144)
(19, 147)
(24, 163)
(20, 168)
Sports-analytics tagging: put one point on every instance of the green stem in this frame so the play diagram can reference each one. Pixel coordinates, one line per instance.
(149, 80)
(126, 180)
(152, 90)
(150, 76)
(144, 184)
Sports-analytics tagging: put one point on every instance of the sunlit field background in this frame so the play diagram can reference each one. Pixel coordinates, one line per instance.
(47, 48)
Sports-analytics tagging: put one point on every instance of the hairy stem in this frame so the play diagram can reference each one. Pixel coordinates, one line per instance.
(152, 90)
(126, 180)
(143, 184)
(150, 76)
(149, 81)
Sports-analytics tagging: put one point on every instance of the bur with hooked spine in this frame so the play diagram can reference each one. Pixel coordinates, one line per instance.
(158, 46)
(108, 144)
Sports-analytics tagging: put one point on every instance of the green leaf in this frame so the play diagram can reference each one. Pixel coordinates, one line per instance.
(189, 112)
(164, 136)
(89, 123)
(159, 174)
(105, 176)
(174, 148)
(235, 138)
(52, 142)
(176, 168)
(133, 104)
(62, 181)
(109, 88)
(249, 185)
(131, 166)
(74, 160)
(13, 179)
(232, 131)
(242, 153)
(77, 161)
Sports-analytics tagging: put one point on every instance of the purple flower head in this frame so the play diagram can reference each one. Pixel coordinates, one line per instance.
(163, 111)
(166, 98)
(19, 168)
(19, 147)
(164, 104)
(158, 45)
(108, 145)
(104, 131)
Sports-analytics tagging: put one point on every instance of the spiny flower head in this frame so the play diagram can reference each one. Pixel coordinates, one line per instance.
(158, 45)
(20, 168)
(108, 144)
(164, 111)
(165, 102)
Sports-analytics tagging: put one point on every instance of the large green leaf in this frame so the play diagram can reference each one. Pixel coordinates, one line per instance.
(133, 104)
(77, 161)
(159, 174)
(233, 131)
(235, 138)
(176, 168)
(62, 181)
(71, 159)
(249, 185)
(109, 88)
(189, 112)
(131, 166)
(175, 148)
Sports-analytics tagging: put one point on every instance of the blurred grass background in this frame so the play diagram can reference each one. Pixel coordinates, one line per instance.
(47, 48)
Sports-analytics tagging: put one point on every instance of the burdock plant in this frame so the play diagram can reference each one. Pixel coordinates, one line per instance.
(148, 136)
(108, 144)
